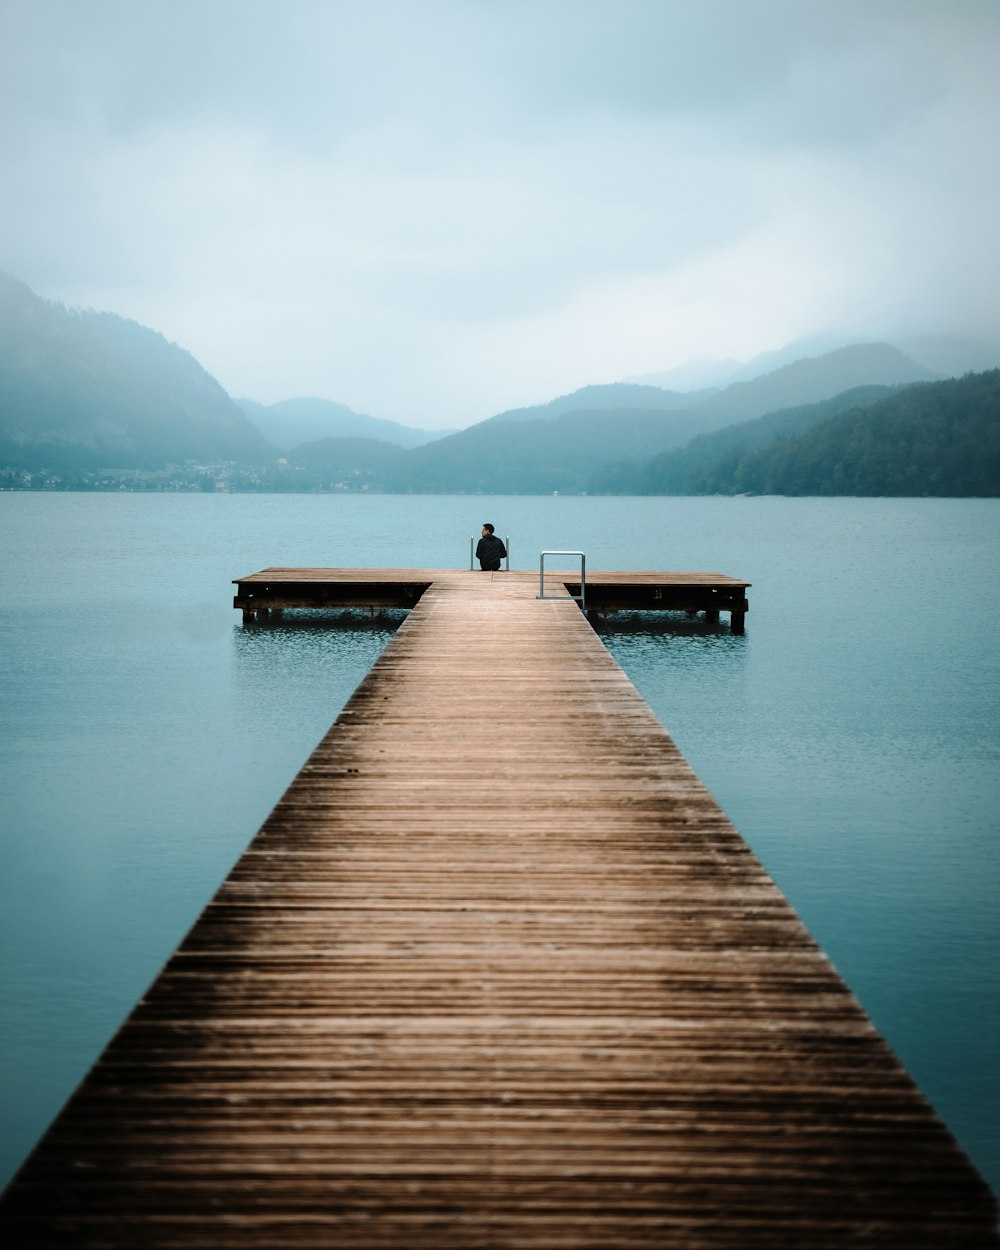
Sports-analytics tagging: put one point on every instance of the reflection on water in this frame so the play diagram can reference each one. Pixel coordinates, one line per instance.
(662, 624)
(293, 674)
(352, 620)
(685, 668)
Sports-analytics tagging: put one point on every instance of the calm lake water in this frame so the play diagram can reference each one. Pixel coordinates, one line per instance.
(852, 735)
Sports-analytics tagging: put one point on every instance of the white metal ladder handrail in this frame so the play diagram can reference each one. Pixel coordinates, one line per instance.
(582, 596)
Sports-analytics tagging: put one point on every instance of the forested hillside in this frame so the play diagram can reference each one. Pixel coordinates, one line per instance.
(82, 389)
(566, 445)
(936, 438)
(539, 456)
(332, 463)
(87, 398)
(673, 472)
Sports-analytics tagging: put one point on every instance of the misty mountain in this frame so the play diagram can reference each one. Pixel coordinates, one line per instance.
(89, 389)
(805, 347)
(292, 422)
(673, 472)
(951, 356)
(549, 447)
(704, 373)
(942, 355)
(718, 374)
(810, 380)
(535, 457)
(81, 389)
(937, 438)
(607, 397)
(562, 445)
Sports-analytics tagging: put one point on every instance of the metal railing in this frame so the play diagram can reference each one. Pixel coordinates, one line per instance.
(582, 596)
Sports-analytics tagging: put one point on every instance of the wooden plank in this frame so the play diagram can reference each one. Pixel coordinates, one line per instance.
(329, 589)
(427, 576)
(498, 972)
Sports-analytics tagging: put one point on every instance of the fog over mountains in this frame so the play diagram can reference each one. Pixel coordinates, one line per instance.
(85, 394)
(291, 422)
(85, 389)
(944, 355)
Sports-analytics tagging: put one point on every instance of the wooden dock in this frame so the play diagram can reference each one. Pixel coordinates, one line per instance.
(497, 972)
(274, 590)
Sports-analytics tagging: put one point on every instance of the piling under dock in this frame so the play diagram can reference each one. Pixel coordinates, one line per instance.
(498, 972)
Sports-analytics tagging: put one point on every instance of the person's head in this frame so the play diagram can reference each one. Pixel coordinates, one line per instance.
(487, 528)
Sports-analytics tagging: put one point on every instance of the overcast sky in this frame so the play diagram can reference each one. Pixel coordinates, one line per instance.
(433, 210)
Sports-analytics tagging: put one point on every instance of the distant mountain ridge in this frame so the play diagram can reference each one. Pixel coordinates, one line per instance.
(87, 394)
(942, 355)
(722, 373)
(562, 445)
(606, 397)
(812, 379)
(291, 422)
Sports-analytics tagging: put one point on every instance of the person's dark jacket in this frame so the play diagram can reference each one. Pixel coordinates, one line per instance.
(490, 551)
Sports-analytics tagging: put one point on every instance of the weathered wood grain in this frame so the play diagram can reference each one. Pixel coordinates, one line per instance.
(258, 594)
(498, 972)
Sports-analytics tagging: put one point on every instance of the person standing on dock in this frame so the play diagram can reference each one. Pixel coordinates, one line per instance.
(490, 549)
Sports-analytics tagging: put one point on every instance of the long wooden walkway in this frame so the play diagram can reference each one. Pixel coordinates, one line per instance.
(497, 972)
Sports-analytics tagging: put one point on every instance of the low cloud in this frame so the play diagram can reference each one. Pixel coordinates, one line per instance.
(436, 212)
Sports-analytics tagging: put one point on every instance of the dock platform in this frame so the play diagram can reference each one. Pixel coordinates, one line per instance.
(274, 590)
(497, 973)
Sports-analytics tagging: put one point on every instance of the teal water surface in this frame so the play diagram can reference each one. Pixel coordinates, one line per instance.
(852, 735)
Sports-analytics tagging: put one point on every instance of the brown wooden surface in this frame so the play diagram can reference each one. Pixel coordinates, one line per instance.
(258, 594)
(498, 972)
(530, 577)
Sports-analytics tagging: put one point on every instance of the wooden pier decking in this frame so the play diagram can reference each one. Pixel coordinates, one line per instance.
(273, 590)
(497, 972)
